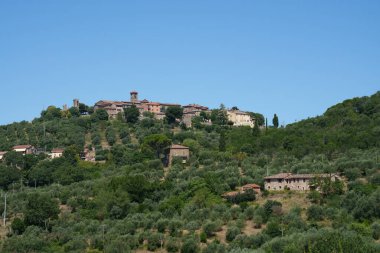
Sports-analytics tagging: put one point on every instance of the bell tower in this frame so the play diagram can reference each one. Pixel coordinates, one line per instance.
(134, 96)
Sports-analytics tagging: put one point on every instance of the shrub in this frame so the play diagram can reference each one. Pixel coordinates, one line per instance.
(155, 241)
(315, 213)
(209, 228)
(161, 225)
(249, 212)
(376, 231)
(172, 245)
(18, 226)
(232, 232)
(190, 245)
(203, 237)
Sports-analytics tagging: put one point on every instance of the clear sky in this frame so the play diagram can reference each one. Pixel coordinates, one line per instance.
(294, 58)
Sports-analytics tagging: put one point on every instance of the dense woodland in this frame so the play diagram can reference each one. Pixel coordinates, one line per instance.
(128, 201)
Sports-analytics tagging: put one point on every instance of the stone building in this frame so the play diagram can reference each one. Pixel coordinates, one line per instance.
(56, 152)
(296, 182)
(76, 103)
(25, 149)
(240, 118)
(192, 110)
(178, 151)
(254, 187)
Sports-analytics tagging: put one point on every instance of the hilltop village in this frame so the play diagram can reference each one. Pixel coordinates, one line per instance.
(115, 108)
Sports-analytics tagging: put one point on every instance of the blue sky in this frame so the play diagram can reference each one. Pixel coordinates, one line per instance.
(293, 58)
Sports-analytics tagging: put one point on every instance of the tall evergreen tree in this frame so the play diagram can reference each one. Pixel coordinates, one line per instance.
(275, 121)
(222, 141)
(256, 130)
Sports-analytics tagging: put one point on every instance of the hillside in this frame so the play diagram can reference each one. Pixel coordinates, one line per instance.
(131, 202)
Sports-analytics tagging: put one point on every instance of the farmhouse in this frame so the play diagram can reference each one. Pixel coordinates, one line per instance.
(240, 118)
(296, 182)
(178, 151)
(25, 149)
(192, 110)
(253, 187)
(56, 152)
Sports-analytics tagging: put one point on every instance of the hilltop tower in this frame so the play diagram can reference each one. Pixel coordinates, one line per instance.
(76, 103)
(134, 96)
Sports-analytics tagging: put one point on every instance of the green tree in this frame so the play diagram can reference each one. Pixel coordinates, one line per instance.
(99, 115)
(18, 226)
(222, 141)
(13, 158)
(8, 175)
(71, 154)
(132, 114)
(315, 213)
(256, 130)
(40, 209)
(173, 113)
(275, 121)
(190, 245)
(157, 142)
(74, 112)
(231, 233)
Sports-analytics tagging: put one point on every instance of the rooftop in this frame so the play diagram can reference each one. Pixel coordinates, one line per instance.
(298, 176)
(176, 146)
(22, 146)
(57, 150)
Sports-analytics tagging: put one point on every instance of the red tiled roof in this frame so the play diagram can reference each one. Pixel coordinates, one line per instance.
(21, 146)
(251, 186)
(3, 152)
(57, 150)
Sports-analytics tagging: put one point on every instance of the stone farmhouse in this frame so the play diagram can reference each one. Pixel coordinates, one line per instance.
(254, 187)
(240, 118)
(193, 110)
(295, 182)
(178, 151)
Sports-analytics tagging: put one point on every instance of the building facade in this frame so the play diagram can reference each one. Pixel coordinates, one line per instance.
(240, 118)
(25, 149)
(178, 151)
(193, 110)
(56, 153)
(295, 182)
